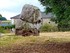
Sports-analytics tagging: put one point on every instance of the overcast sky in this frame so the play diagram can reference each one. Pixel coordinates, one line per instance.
(10, 8)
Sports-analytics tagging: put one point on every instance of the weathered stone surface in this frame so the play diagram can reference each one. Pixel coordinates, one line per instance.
(30, 20)
(27, 32)
(30, 13)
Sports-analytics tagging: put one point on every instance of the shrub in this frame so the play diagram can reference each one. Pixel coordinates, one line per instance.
(48, 28)
(1, 29)
(12, 26)
(8, 27)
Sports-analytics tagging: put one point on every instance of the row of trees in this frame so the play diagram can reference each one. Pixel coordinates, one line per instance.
(61, 10)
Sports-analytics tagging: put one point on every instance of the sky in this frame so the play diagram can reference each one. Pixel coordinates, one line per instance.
(10, 8)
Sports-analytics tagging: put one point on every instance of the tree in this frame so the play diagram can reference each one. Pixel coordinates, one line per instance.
(2, 18)
(61, 10)
(0, 15)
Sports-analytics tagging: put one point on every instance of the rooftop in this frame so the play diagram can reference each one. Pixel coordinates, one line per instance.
(44, 16)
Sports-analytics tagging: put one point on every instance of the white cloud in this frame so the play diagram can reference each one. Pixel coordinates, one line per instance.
(10, 8)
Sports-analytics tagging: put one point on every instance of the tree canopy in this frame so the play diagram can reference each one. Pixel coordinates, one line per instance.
(2, 18)
(61, 10)
(0, 15)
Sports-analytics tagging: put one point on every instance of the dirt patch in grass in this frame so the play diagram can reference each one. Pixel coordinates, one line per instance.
(38, 48)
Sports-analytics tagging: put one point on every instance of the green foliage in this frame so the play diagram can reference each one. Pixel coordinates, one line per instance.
(48, 28)
(12, 26)
(0, 15)
(2, 18)
(3, 30)
(9, 27)
(6, 29)
(61, 10)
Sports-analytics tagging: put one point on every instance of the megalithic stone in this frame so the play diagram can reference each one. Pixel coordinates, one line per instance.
(30, 13)
(30, 20)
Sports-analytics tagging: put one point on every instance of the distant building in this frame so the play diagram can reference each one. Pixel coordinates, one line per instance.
(13, 19)
(5, 23)
(47, 18)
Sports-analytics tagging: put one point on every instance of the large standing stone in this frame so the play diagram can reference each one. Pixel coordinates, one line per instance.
(30, 20)
(30, 13)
